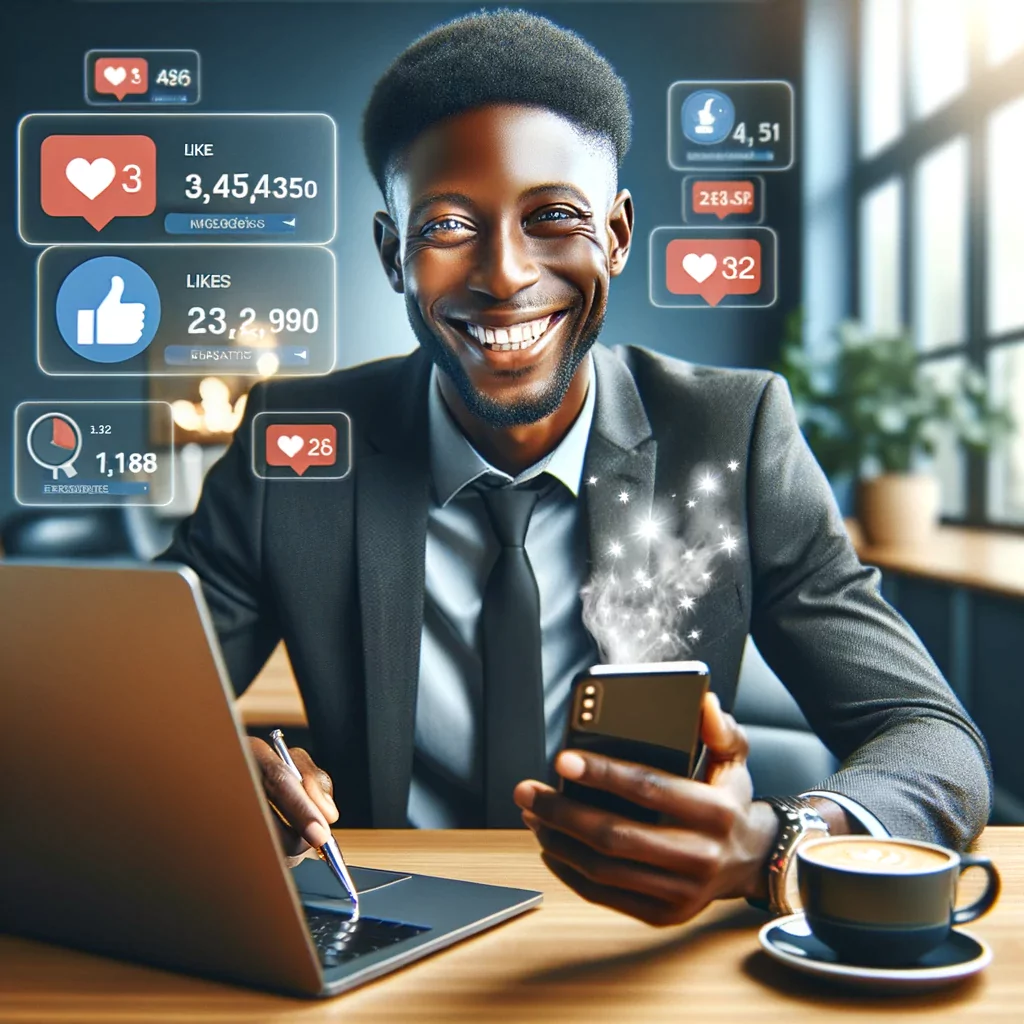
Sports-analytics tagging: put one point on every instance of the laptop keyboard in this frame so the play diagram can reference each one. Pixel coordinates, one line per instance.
(339, 942)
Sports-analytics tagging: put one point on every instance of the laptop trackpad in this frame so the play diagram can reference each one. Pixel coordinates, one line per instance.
(314, 878)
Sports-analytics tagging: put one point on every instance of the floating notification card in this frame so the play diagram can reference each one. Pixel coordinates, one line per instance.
(168, 310)
(730, 126)
(713, 268)
(131, 178)
(93, 453)
(301, 445)
(723, 201)
(117, 78)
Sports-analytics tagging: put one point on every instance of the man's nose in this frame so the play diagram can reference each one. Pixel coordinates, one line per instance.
(504, 265)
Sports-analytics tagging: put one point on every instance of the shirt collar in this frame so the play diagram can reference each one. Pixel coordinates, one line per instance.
(455, 463)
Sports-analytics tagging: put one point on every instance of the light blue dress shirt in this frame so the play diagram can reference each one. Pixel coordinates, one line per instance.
(447, 775)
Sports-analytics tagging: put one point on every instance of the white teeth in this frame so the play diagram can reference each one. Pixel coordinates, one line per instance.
(509, 339)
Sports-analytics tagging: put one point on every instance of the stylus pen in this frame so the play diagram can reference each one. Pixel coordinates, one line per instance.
(329, 852)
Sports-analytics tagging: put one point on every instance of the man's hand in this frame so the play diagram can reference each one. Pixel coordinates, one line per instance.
(304, 809)
(712, 841)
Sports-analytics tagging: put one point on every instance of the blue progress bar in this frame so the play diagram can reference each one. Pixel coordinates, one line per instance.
(230, 223)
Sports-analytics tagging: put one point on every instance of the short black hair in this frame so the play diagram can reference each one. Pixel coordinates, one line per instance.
(502, 56)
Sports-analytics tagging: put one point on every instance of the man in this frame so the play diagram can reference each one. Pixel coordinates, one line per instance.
(431, 602)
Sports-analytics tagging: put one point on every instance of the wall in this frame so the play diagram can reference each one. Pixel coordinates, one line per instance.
(297, 56)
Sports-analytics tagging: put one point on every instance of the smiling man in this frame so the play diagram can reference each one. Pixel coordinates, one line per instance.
(431, 601)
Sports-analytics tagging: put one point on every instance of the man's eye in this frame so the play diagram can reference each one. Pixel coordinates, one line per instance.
(446, 224)
(550, 215)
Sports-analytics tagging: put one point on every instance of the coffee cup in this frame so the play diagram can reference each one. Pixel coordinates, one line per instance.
(886, 902)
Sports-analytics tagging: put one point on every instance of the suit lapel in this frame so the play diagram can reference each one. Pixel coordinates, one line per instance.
(392, 501)
(619, 467)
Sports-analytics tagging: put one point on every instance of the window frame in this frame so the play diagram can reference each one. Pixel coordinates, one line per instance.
(988, 88)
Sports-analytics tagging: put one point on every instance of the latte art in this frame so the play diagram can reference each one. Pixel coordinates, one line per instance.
(875, 857)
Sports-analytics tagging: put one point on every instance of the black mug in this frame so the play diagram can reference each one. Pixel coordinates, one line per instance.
(886, 902)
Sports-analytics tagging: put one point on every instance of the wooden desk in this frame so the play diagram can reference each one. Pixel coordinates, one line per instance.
(568, 961)
(979, 559)
(273, 698)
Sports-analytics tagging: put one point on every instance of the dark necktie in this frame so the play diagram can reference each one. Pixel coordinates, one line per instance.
(513, 683)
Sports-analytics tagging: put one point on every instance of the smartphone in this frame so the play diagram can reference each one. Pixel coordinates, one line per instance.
(649, 714)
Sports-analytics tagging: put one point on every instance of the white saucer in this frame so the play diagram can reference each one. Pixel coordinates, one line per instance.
(789, 940)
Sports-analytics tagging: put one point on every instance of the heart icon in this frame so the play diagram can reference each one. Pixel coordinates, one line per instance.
(115, 76)
(290, 445)
(700, 268)
(90, 178)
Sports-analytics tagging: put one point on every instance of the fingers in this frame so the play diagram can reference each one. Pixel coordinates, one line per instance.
(690, 854)
(697, 804)
(724, 738)
(630, 875)
(289, 796)
(652, 911)
(317, 783)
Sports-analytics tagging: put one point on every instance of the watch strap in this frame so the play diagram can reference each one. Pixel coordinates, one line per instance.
(798, 819)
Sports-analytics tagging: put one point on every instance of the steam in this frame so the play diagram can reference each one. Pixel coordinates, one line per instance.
(643, 601)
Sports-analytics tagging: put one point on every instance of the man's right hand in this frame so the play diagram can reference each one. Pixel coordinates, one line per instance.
(307, 807)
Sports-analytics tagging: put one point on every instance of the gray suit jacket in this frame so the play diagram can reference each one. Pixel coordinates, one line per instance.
(336, 569)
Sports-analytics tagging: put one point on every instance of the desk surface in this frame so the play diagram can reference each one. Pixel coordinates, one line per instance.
(978, 559)
(567, 961)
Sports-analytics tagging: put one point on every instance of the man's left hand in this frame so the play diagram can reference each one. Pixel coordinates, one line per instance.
(712, 840)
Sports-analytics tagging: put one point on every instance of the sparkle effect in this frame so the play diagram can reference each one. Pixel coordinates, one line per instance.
(642, 602)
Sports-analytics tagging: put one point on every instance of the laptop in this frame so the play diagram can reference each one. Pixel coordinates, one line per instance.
(135, 822)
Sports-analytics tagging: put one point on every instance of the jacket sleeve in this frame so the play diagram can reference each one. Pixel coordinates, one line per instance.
(909, 751)
(222, 541)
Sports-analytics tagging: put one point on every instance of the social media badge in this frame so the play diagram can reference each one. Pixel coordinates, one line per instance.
(301, 445)
(89, 453)
(713, 200)
(108, 309)
(730, 125)
(98, 177)
(709, 267)
(121, 76)
(707, 116)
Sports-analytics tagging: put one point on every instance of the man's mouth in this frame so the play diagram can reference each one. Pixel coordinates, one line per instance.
(525, 335)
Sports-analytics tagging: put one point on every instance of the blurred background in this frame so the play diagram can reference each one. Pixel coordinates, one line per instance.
(900, 313)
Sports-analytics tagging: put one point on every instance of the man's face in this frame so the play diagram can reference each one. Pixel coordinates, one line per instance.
(505, 231)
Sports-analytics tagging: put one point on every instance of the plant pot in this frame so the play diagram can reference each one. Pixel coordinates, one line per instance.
(898, 508)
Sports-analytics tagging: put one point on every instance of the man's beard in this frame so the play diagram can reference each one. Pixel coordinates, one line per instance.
(483, 406)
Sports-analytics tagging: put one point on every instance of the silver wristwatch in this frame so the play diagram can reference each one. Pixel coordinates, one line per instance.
(798, 822)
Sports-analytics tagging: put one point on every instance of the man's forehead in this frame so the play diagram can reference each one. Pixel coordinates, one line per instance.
(499, 153)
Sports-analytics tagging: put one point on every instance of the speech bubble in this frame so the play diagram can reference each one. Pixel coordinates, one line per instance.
(121, 76)
(713, 268)
(98, 177)
(301, 445)
(722, 198)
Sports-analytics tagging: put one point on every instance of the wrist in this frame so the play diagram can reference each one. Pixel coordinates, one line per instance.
(764, 826)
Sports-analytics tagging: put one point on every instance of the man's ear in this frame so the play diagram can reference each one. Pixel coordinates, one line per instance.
(620, 232)
(389, 249)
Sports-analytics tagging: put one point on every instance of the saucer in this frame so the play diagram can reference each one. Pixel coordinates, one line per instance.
(790, 941)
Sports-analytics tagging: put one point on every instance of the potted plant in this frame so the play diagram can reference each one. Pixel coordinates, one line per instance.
(869, 410)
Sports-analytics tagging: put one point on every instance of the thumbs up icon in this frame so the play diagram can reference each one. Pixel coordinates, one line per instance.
(108, 309)
(114, 322)
(705, 119)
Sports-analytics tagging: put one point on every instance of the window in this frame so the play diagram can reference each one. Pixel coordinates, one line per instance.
(1006, 468)
(881, 286)
(1006, 218)
(940, 216)
(881, 110)
(1004, 28)
(938, 52)
(939, 312)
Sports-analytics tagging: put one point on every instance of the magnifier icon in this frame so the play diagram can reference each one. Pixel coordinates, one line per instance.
(54, 441)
